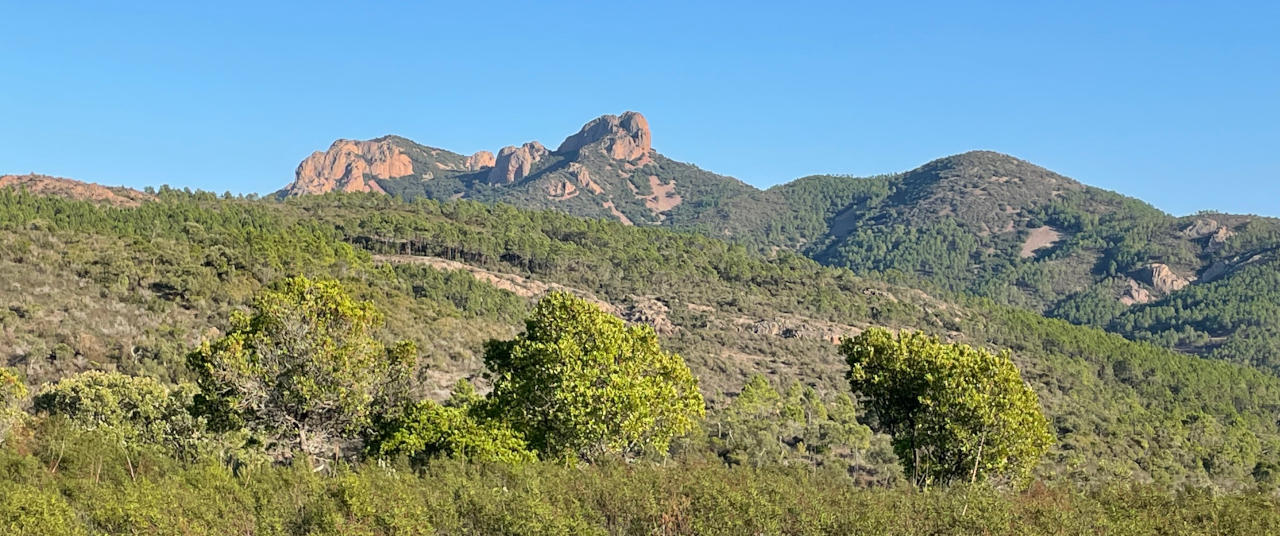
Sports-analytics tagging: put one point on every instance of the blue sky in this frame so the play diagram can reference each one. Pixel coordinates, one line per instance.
(1176, 103)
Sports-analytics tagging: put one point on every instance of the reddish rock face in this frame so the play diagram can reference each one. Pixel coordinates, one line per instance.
(353, 166)
(1162, 278)
(626, 137)
(513, 163)
(73, 189)
(348, 165)
(480, 160)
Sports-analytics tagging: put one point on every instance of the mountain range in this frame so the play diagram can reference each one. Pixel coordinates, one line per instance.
(977, 247)
(978, 224)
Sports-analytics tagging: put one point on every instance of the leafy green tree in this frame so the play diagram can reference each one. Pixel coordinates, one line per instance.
(12, 392)
(579, 382)
(304, 371)
(955, 412)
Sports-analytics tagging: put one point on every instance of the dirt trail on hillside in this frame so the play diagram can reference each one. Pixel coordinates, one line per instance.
(521, 286)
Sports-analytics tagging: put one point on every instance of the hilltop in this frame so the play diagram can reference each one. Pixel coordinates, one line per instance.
(74, 189)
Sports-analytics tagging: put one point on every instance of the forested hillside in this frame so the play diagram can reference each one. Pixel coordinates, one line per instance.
(984, 224)
(134, 289)
(974, 224)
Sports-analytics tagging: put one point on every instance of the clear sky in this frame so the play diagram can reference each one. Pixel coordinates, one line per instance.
(1176, 103)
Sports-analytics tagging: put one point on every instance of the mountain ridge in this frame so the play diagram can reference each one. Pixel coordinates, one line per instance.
(978, 223)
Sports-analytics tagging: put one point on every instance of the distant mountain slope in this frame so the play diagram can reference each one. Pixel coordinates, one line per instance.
(73, 189)
(608, 169)
(979, 223)
(990, 225)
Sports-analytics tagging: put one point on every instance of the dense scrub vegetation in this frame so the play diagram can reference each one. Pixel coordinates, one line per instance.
(683, 497)
(133, 290)
(100, 453)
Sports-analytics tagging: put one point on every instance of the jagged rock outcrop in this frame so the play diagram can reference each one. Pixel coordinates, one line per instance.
(1216, 233)
(358, 166)
(583, 176)
(1218, 239)
(350, 166)
(561, 190)
(480, 160)
(513, 163)
(1199, 228)
(1162, 278)
(626, 137)
(1134, 294)
(73, 189)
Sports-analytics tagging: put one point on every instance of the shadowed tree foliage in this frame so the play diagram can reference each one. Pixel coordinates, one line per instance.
(304, 370)
(581, 383)
(956, 413)
(428, 429)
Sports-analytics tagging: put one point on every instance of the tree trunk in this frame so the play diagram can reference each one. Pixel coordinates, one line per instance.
(302, 445)
(973, 475)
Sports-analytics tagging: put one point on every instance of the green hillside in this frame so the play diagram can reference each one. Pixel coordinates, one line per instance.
(978, 224)
(92, 286)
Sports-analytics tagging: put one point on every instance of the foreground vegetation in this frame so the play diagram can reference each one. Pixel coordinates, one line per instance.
(107, 453)
(786, 445)
(681, 497)
(133, 290)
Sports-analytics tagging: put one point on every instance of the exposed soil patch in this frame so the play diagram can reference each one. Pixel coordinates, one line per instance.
(664, 196)
(1039, 238)
(521, 286)
(614, 210)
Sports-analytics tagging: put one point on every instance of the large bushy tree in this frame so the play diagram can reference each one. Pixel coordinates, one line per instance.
(956, 413)
(304, 371)
(581, 383)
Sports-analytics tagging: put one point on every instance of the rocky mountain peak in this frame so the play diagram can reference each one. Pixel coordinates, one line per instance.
(993, 167)
(348, 165)
(989, 192)
(513, 163)
(480, 160)
(626, 137)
